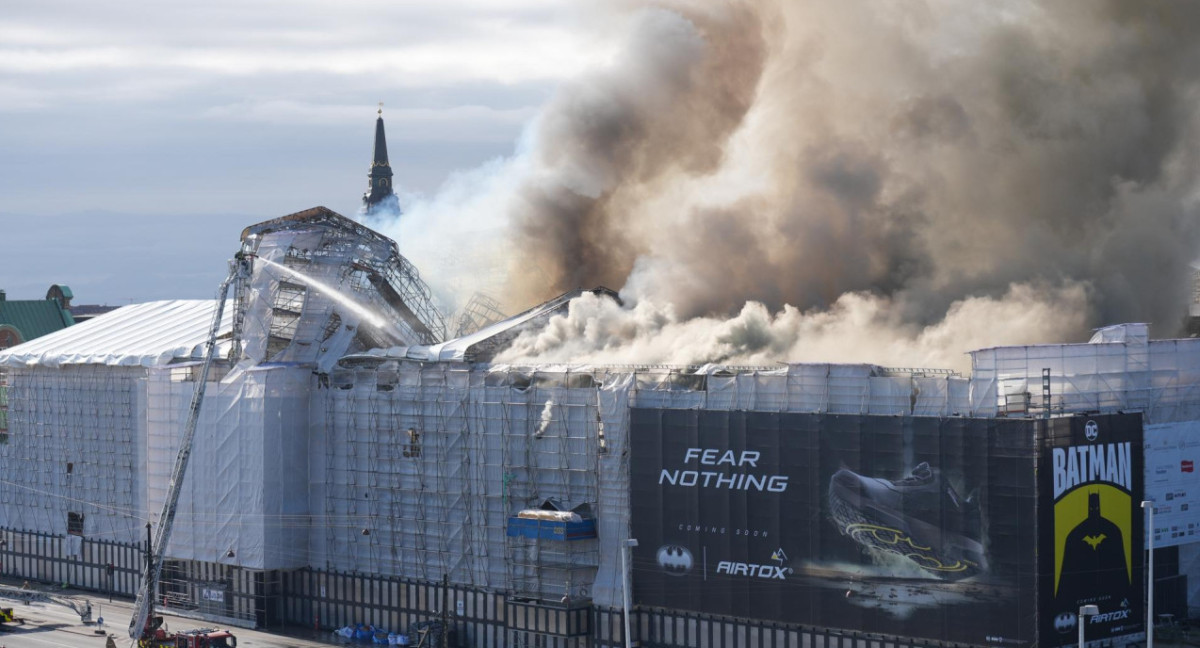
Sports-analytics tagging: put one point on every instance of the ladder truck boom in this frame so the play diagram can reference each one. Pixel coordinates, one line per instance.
(239, 272)
(82, 608)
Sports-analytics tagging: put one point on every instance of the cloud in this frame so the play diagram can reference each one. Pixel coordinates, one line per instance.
(155, 106)
(472, 123)
(408, 44)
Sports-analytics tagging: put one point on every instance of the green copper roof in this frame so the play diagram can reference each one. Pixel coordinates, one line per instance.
(34, 318)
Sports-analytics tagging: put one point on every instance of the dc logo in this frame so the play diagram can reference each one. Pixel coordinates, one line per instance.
(1091, 430)
(1065, 622)
(674, 559)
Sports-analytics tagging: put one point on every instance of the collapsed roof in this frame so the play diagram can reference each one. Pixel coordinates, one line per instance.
(320, 287)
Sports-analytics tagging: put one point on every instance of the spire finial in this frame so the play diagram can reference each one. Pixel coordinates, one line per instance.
(380, 111)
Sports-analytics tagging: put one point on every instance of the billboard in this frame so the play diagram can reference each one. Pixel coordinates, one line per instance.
(1091, 531)
(907, 526)
(1172, 483)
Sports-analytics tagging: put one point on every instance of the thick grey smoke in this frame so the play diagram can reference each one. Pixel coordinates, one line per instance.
(910, 179)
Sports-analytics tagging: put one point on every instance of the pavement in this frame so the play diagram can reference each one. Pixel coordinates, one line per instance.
(53, 626)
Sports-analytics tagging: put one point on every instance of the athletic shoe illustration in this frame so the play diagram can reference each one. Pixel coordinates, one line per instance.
(919, 517)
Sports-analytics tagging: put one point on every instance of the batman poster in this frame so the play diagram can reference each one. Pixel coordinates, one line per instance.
(1091, 528)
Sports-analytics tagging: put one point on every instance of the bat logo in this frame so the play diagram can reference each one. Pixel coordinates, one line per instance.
(674, 559)
(1065, 622)
(1094, 541)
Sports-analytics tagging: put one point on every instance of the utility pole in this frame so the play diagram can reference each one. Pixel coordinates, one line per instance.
(149, 549)
(445, 610)
(1149, 506)
(626, 548)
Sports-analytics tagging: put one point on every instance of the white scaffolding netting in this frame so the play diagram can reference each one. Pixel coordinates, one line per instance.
(74, 447)
(1159, 378)
(246, 487)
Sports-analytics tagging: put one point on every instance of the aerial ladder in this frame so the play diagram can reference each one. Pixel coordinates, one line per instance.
(144, 626)
(27, 596)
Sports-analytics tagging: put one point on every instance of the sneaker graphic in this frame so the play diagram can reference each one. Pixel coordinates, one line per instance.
(919, 517)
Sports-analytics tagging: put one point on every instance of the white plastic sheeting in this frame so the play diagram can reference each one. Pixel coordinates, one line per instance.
(245, 491)
(146, 335)
(1159, 378)
(827, 388)
(325, 312)
(75, 446)
(482, 343)
(416, 469)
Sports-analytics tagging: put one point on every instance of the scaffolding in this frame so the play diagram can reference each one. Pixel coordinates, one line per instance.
(3, 406)
(318, 451)
(73, 457)
(479, 311)
(1119, 370)
(345, 258)
(424, 464)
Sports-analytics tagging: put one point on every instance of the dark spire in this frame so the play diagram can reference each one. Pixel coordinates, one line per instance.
(380, 145)
(379, 193)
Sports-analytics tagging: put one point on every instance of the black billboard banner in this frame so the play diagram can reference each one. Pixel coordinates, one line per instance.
(1092, 527)
(908, 526)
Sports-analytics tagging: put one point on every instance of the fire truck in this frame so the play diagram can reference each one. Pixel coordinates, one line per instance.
(203, 638)
(155, 636)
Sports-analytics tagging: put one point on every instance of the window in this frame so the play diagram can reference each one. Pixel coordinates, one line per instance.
(412, 449)
(75, 524)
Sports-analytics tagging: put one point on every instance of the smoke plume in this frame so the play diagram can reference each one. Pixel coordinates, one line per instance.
(889, 182)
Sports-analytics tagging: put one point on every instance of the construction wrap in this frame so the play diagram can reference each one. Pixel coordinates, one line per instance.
(147, 335)
(386, 465)
(1118, 371)
(290, 299)
(74, 451)
(245, 492)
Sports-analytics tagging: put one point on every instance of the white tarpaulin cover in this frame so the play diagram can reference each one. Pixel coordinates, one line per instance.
(149, 334)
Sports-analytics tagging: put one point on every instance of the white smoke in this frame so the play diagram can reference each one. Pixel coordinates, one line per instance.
(859, 327)
(546, 420)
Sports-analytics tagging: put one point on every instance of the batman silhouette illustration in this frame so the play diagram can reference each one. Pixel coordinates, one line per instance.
(1094, 557)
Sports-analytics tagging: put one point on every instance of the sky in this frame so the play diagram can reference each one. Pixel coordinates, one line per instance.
(760, 180)
(138, 137)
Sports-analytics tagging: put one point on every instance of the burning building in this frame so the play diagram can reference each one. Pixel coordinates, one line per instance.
(351, 464)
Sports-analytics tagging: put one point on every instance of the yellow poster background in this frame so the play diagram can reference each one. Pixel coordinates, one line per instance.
(1071, 509)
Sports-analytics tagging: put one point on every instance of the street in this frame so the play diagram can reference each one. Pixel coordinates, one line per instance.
(53, 626)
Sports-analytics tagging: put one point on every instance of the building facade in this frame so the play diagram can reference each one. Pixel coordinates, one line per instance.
(347, 470)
